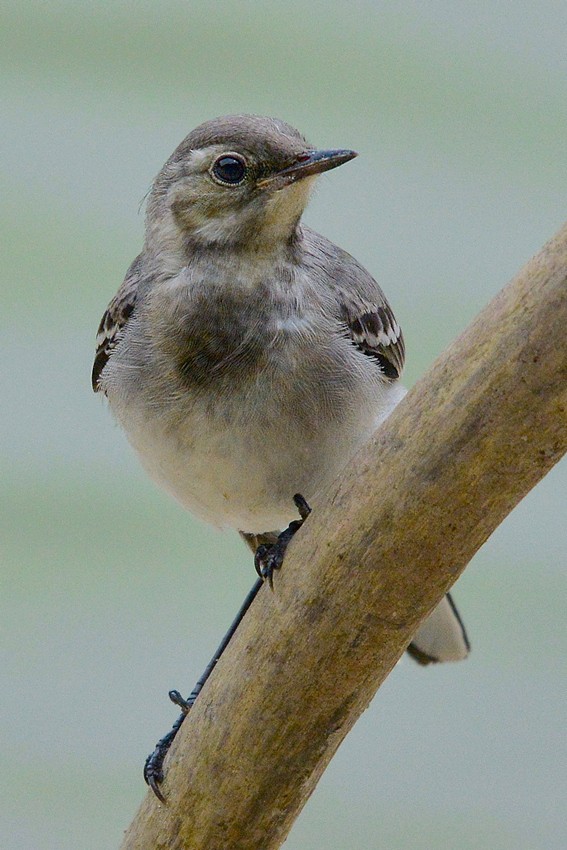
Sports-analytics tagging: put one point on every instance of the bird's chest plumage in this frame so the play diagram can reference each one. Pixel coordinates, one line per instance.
(235, 340)
(242, 398)
(221, 340)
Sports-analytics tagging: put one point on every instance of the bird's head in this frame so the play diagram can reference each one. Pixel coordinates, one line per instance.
(238, 180)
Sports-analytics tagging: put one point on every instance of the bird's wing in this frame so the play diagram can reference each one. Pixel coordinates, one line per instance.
(362, 307)
(114, 321)
(375, 331)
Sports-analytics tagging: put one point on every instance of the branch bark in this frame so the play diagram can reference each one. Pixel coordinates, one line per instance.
(484, 425)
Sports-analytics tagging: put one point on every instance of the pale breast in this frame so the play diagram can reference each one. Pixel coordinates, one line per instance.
(235, 404)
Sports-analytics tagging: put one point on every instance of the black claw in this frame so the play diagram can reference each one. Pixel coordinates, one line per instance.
(260, 557)
(153, 774)
(266, 560)
(153, 768)
(177, 699)
(270, 558)
(302, 506)
(153, 783)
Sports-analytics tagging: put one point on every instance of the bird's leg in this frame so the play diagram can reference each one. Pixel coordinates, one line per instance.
(270, 557)
(153, 768)
(266, 560)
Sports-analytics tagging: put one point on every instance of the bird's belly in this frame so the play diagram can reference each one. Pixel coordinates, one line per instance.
(222, 488)
(241, 467)
(242, 478)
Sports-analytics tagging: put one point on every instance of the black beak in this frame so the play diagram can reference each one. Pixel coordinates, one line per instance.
(305, 165)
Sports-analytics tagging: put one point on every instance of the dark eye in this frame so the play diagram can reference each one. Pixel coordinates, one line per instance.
(229, 168)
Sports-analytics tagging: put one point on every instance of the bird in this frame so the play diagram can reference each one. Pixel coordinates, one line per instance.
(247, 357)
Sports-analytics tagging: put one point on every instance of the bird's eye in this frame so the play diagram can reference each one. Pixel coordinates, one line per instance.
(229, 169)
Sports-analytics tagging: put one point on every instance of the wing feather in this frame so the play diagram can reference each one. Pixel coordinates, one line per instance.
(376, 332)
(114, 321)
(362, 306)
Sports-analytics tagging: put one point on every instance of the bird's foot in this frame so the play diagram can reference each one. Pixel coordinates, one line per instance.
(153, 768)
(266, 560)
(269, 558)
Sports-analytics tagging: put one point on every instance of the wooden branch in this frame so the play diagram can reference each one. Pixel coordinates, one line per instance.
(484, 425)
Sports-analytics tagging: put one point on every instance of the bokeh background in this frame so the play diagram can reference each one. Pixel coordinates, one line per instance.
(111, 594)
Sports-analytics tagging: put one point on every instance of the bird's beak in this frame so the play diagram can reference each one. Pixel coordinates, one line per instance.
(306, 165)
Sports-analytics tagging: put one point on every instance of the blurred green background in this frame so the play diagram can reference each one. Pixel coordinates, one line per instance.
(111, 594)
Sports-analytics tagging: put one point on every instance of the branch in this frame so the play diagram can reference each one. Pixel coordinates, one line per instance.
(486, 423)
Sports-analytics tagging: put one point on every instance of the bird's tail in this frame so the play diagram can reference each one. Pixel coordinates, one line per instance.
(442, 637)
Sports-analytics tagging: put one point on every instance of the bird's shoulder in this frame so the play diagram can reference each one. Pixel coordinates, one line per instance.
(361, 304)
(115, 319)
